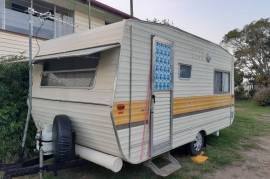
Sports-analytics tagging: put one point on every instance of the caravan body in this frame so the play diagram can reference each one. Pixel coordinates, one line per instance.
(134, 89)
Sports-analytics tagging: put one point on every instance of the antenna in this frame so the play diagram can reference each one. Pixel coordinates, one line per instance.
(131, 8)
(29, 100)
(89, 13)
(43, 17)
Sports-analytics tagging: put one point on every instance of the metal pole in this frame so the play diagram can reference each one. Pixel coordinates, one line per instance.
(40, 160)
(131, 8)
(4, 16)
(30, 11)
(130, 90)
(89, 13)
(54, 22)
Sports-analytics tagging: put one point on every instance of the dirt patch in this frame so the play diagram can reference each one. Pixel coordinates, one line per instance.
(255, 166)
(264, 118)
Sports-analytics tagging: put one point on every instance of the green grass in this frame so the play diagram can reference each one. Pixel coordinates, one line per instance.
(225, 150)
(222, 151)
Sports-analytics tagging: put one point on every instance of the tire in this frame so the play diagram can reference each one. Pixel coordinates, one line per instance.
(195, 147)
(63, 142)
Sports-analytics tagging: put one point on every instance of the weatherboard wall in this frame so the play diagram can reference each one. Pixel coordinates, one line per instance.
(15, 44)
(82, 21)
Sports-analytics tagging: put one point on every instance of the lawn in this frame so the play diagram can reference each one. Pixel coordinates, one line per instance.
(223, 150)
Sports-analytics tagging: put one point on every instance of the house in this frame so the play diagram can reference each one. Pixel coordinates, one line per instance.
(72, 14)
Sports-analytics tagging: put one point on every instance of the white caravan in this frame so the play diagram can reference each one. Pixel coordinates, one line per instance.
(133, 90)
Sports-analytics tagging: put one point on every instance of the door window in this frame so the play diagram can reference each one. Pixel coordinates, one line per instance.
(162, 67)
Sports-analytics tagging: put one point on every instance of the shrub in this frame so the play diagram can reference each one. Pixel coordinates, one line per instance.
(262, 96)
(13, 110)
(251, 93)
(240, 93)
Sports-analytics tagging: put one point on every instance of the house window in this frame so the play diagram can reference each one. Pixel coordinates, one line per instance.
(64, 24)
(2, 13)
(16, 18)
(70, 73)
(184, 71)
(221, 82)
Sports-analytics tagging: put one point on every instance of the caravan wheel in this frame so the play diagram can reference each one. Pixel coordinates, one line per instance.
(63, 139)
(196, 146)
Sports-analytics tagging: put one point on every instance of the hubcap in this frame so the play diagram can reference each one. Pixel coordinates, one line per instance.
(198, 143)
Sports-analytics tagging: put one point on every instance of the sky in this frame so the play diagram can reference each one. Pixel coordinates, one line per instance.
(209, 19)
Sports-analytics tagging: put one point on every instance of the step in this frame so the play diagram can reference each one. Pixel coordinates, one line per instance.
(168, 169)
(172, 166)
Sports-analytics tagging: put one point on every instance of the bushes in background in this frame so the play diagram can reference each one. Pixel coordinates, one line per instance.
(240, 93)
(262, 96)
(13, 110)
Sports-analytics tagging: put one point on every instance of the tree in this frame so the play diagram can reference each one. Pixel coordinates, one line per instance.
(239, 90)
(251, 48)
(163, 21)
(238, 77)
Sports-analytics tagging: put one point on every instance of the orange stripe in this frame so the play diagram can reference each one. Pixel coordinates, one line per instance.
(181, 105)
(137, 112)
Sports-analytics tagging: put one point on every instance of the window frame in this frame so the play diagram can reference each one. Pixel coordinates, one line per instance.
(229, 74)
(73, 70)
(179, 71)
(2, 15)
(54, 32)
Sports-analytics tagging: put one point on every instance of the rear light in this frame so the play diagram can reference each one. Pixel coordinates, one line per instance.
(120, 108)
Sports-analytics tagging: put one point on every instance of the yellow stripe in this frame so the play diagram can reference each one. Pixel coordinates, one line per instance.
(198, 103)
(181, 105)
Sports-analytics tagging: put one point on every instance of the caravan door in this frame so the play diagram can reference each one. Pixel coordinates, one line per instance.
(162, 77)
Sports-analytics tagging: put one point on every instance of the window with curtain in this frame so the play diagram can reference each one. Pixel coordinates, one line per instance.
(71, 73)
(221, 82)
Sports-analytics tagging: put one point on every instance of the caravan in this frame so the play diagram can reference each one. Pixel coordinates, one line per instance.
(133, 90)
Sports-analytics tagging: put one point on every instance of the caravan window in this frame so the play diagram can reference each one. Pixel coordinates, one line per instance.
(72, 73)
(221, 82)
(184, 71)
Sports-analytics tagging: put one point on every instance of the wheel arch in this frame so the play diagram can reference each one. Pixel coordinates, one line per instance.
(204, 134)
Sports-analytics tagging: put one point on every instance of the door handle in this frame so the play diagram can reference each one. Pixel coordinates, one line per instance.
(154, 98)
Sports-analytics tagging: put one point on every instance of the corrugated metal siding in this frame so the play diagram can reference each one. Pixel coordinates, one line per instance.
(190, 50)
(91, 123)
(141, 59)
(104, 35)
(139, 144)
(15, 44)
(161, 122)
(186, 128)
(187, 49)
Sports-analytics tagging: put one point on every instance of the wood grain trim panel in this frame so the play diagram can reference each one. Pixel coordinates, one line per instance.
(182, 106)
